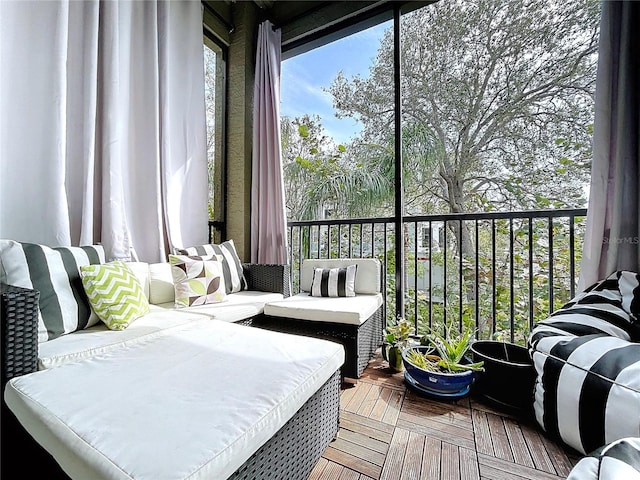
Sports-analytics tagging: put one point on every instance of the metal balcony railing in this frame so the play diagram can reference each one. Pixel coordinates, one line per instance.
(492, 273)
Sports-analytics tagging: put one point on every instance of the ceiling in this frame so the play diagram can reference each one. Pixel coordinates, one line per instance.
(309, 24)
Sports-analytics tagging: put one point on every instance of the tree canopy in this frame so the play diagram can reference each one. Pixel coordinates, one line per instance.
(497, 111)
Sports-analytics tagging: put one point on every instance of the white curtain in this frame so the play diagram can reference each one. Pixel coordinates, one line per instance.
(102, 130)
(268, 215)
(612, 238)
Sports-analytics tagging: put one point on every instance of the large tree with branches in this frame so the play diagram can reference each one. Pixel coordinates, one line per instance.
(498, 95)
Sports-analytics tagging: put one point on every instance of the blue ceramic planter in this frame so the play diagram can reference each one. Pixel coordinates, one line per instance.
(438, 384)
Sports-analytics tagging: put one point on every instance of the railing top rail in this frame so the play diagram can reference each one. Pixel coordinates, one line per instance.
(529, 214)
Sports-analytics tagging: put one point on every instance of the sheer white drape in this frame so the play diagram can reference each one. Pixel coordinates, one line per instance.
(612, 238)
(268, 215)
(102, 130)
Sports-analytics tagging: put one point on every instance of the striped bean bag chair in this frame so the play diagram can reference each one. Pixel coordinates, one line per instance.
(587, 361)
(620, 460)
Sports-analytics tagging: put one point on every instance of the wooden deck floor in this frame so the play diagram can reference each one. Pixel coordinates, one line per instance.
(388, 431)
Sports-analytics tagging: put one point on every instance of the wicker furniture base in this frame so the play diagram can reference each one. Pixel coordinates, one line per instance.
(294, 450)
(359, 341)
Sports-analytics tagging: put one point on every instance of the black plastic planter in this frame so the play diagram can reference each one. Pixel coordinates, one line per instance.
(508, 378)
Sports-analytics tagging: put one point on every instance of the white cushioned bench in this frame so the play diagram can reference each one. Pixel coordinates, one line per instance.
(355, 322)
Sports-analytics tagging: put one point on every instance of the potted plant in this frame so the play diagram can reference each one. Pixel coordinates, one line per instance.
(396, 340)
(440, 365)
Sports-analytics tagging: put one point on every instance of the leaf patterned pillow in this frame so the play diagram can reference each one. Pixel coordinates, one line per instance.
(197, 280)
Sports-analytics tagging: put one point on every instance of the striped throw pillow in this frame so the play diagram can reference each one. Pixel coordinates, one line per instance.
(115, 294)
(619, 459)
(197, 280)
(55, 273)
(234, 279)
(334, 282)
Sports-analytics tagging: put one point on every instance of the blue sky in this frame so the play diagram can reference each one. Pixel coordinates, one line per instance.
(306, 77)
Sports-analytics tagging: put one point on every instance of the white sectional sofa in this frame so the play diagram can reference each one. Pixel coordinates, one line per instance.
(181, 393)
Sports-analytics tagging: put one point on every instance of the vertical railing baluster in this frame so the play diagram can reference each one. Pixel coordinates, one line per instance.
(386, 267)
(477, 280)
(361, 237)
(350, 255)
(340, 241)
(550, 219)
(444, 300)
(460, 275)
(572, 257)
(430, 275)
(494, 274)
(531, 318)
(415, 274)
(511, 277)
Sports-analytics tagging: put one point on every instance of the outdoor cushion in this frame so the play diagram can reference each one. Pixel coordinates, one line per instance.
(349, 310)
(197, 280)
(588, 366)
(55, 273)
(367, 274)
(334, 282)
(157, 410)
(618, 460)
(231, 265)
(115, 293)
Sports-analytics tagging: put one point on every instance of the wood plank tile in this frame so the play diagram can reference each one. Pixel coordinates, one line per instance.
(482, 433)
(352, 462)
(348, 474)
(366, 430)
(518, 445)
(559, 458)
(392, 468)
(318, 469)
(369, 402)
(346, 395)
(541, 459)
(450, 463)
(390, 432)
(501, 447)
(461, 441)
(431, 459)
(393, 408)
(384, 427)
(513, 469)
(448, 428)
(469, 469)
(380, 407)
(356, 450)
(413, 457)
(332, 471)
(361, 391)
(364, 440)
(438, 413)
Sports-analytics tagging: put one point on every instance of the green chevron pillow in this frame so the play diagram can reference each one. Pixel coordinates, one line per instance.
(115, 293)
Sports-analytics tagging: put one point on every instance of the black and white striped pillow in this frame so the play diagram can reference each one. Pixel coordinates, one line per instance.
(619, 459)
(55, 273)
(334, 282)
(231, 266)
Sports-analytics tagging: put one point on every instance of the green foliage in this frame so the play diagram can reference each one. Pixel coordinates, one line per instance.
(451, 350)
(398, 335)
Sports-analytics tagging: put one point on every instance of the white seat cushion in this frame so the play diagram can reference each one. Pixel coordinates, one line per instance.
(349, 310)
(194, 404)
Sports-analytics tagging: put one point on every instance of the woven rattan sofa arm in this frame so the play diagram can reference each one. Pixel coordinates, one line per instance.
(19, 314)
(268, 278)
